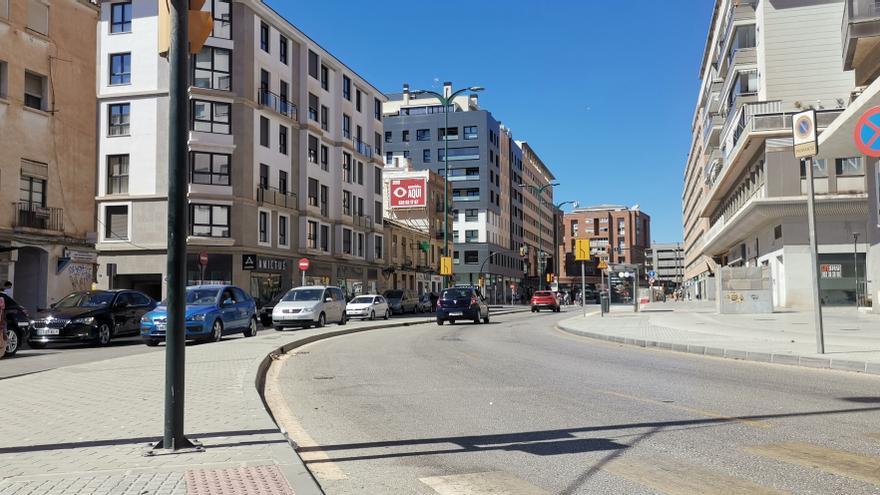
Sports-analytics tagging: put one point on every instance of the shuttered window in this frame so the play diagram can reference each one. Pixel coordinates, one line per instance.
(38, 16)
(116, 223)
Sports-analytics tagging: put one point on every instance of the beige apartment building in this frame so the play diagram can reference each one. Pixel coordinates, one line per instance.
(538, 217)
(47, 148)
(744, 200)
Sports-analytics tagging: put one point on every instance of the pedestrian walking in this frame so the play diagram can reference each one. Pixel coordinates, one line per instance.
(7, 288)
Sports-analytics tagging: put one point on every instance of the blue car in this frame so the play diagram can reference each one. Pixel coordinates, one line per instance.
(212, 311)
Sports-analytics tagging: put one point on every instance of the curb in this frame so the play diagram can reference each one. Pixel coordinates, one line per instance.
(301, 479)
(814, 362)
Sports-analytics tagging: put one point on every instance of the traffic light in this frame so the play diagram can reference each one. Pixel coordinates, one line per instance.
(549, 277)
(200, 26)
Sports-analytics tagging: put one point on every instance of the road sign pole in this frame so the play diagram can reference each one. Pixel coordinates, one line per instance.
(635, 274)
(583, 288)
(814, 258)
(601, 293)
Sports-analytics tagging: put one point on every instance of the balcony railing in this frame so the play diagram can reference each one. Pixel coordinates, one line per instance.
(276, 197)
(362, 221)
(34, 216)
(363, 148)
(281, 105)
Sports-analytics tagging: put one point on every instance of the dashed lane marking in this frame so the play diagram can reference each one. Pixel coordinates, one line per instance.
(488, 483)
(839, 462)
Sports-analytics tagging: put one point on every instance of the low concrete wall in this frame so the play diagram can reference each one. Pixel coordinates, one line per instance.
(744, 290)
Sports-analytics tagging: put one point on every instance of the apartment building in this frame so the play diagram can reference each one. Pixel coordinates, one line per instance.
(666, 260)
(539, 215)
(744, 197)
(413, 216)
(279, 161)
(47, 148)
(414, 129)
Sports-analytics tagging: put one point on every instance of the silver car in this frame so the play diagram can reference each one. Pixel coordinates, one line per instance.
(309, 306)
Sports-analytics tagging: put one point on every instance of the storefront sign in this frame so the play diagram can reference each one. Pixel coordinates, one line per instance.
(249, 262)
(831, 270)
(271, 264)
(408, 193)
(81, 256)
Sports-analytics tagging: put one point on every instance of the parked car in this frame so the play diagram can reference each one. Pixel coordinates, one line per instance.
(462, 303)
(310, 306)
(401, 301)
(368, 307)
(426, 303)
(266, 309)
(544, 299)
(212, 311)
(90, 316)
(17, 325)
(590, 296)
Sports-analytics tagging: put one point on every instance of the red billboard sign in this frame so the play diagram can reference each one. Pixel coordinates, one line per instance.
(408, 193)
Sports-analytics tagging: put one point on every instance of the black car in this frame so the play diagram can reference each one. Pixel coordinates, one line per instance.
(401, 301)
(17, 324)
(90, 316)
(462, 303)
(265, 311)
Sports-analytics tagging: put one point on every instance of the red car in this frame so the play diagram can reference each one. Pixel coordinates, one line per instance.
(544, 299)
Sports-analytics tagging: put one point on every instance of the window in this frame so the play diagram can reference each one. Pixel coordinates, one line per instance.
(264, 226)
(471, 257)
(210, 116)
(346, 167)
(346, 126)
(452, 133)
(470, 132)
(264, 131)
(357, 100)
(777, 232)
(389, 157)
(388, 136)
(118, 119)
(346, 203)
(282, 182)
(346, 241)
(574, 228)
(346, 87)
(377, 143)
(325, 118)
(423, 134)
(222, 14)
(325, 78)
(4, 77)
(211, 69)
(377, 212)
(120, 17)
(360, 172)
(471, 215)
(116, 223)
(820, 169)
(32, 190)
(359, 211)
(745, 83)
(325, 238)
(209, 220)
(360, 245)
(312, 234)
(264, 37)
(313, 192)
(210, 168)
(426, 155)
(405, 136)
(325, 157)
(282, 49)
(282, 230)
(471, 235)
(743, 37)
(313, 107)
(38, 16)
(264, 82)
(117, 174)
(377, 109)
(313, 64)
(34, 90)
(313, 149)
(849, 166)
(264, 176)
(120, 68)
(324, 195)
(378, 246)
(457, 154)
(282, 139)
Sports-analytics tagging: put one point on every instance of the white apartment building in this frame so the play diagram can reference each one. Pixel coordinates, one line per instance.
(744, 200)
(279, 165)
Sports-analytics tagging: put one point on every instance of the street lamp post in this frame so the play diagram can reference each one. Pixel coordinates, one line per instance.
(445, 101)
(538, 191)
(856, 263)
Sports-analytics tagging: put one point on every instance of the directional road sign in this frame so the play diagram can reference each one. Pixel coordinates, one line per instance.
(582, 250)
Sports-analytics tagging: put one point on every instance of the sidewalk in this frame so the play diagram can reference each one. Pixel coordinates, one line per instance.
(852, 339)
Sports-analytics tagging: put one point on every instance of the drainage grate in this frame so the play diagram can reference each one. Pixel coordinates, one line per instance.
(259, 480)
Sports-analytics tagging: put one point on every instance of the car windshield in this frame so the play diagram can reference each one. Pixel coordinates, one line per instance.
(303, 295)
(362, 300)
(394, 294)
(86, 300)
(201, 296)
(456, 294)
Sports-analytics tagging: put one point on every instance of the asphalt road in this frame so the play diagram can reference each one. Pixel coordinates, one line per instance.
(517, 407)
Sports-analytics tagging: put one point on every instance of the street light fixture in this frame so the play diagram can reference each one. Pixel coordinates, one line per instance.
(445, 101)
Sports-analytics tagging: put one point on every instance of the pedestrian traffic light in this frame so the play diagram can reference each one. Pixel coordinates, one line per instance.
(200, 26)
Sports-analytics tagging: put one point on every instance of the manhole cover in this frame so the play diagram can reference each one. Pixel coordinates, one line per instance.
(259, 480)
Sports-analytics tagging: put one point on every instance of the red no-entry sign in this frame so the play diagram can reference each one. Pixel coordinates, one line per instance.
(303, 264)
(867, 133)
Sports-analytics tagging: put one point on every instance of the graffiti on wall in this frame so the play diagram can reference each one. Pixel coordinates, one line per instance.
(80, 276)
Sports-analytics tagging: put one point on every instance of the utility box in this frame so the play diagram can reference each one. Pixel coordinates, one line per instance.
(744, 290)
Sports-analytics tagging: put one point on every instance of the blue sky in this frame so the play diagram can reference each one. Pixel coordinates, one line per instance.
(604, 91)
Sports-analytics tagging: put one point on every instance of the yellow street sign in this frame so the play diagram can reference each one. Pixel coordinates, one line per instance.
(200, 26)
(602, 265)
(445, 265)
(582, 250)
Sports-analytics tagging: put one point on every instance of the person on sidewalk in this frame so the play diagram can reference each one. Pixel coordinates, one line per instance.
(2, 327)
(7, 288)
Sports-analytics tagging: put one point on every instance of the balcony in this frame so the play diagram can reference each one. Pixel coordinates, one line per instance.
(275, 197)
(33, 216)
(712, 130)
(362, 221)
(363, 148)
(269, 99)
(861, 39)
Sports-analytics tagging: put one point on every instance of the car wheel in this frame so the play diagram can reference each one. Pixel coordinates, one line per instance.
(372, 315)
(251, 330)
(440, 322)
(387, 314)
(37, 345)
(151, 342)
(452, 322)
(279, 329)
(266, 322)
(322, 320)
(344, 319)
(216, 332)
(13, 340)
(103, 334)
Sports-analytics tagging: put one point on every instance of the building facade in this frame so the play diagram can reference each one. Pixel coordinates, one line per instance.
(744, 200)
(280, 165)
(666, 260)
(539, 218)
(47, 148)
(414, 130)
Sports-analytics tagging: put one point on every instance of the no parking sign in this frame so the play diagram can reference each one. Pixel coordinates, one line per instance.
(867, 133)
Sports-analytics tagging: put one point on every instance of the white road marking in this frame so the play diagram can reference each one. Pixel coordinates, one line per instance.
(489, 483)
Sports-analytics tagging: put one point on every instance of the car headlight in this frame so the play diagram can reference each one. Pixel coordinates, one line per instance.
(197, 317)
(84, 321)
(146, 319)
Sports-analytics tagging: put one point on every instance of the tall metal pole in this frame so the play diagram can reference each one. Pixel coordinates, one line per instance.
(856, 263)
(445, 103)
(814, 258)
(583, 289)
(178, 119)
